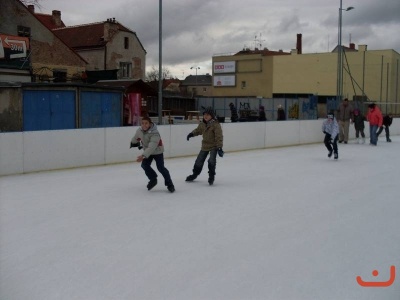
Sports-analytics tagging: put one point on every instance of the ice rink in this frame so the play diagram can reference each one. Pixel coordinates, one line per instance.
(282, 223)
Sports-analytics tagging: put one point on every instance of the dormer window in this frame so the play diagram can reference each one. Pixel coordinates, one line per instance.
(126, 43)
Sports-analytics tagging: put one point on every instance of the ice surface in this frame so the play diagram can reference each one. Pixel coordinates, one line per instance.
(283, 223)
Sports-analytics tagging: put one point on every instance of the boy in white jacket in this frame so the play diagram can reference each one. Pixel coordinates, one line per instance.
(148, 138)
(331, 129)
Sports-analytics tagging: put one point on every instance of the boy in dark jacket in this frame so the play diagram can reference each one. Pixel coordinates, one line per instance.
(234, 113)
(359, 126)
(211, 144)
(387, 121)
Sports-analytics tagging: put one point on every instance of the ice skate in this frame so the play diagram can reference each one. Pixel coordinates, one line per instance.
(152, 183)
(171, 188)
(190, 178)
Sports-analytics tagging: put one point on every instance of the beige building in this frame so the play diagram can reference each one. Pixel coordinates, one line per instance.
(107, 46)
(269, 74)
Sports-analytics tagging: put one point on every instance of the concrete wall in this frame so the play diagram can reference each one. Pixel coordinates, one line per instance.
(24, 152)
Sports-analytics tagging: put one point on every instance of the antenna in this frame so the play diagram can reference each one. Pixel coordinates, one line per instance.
(258, 41)
(328, 43)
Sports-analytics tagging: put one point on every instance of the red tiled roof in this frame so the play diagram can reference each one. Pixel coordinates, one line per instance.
(263, 52)
(85, 36)
(48, 21)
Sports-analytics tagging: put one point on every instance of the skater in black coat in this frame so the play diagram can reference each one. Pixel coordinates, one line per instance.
(387, 121)
(358, 120)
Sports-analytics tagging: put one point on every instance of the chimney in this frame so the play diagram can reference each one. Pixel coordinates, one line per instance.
(56, 16)
(352, 46)
(362, 48)
(31, 8)
(110, 28)
(299, 43)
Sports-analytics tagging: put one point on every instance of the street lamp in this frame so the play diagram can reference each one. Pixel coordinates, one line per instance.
(339, 87)
(197, 68)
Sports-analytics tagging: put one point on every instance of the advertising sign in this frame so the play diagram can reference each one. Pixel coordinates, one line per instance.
(225, 80)
(225, 67)
(12, 46)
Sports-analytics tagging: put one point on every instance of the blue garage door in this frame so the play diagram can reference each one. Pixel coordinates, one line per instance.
(48, 110)
(100, 109)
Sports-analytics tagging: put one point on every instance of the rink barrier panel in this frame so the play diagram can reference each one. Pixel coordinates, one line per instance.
(33, 151)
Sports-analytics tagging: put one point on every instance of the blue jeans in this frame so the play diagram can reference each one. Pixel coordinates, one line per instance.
(201, 158)
(151, 174)
(373, 137)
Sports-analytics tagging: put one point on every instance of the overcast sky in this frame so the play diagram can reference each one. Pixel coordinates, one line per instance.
(194, 31)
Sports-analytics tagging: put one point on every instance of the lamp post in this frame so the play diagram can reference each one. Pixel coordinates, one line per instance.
(339, 86)
(160, 79)
(197, 68)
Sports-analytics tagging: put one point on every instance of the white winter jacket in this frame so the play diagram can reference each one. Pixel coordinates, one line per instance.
(331, 126)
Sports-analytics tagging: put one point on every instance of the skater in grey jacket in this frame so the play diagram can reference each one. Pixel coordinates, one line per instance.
(148, 138)
(331, 129)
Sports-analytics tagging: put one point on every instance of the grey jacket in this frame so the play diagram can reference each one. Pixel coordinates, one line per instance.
(345, 112)
(151, 140)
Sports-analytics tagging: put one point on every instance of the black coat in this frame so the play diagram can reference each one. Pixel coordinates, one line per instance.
(359, 121)
(281, 114)
(234, 114)
(387, 120)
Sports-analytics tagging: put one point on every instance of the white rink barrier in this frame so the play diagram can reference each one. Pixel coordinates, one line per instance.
(33, 151)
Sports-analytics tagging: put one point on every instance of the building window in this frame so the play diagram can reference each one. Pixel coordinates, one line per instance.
(204, 89)
(126, 43)
(125, 70)
(60, 76)
(24, 31)
(243, 84)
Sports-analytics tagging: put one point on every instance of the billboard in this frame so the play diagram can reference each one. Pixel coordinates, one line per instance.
(225, 80)
(225, 67)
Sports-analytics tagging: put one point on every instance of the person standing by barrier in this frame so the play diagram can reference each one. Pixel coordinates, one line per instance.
(331, 129)
(387, 121)
(148, 138)
(345, 113)
(359, 126)
(211, 144)
(375, 120)
(281, 114)
(261, 114)
(234, 113)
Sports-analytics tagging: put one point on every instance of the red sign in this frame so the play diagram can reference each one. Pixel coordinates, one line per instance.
(12, 46)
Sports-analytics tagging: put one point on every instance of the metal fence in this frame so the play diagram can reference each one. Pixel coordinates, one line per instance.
(295, 108)
(385, 107)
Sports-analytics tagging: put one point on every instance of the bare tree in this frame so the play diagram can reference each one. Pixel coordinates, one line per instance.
(30, 2)
(154, 74)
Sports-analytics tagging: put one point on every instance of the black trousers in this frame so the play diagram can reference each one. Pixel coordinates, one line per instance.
(331, 146)
(386, 131)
